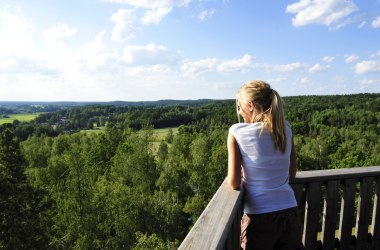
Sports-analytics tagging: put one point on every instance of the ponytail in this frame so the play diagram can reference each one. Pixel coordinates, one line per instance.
(276, 122)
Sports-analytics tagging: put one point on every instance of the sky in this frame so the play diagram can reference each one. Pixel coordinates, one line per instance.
(147, 50)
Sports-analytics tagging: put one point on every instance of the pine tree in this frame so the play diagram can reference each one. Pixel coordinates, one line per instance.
(20, 220)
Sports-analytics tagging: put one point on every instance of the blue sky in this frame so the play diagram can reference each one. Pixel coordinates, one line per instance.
(139, 50)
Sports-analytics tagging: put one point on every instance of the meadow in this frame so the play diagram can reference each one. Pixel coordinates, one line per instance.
(20, 117)
(160, 133)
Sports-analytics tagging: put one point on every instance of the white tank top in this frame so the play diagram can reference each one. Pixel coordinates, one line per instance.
(265, 170)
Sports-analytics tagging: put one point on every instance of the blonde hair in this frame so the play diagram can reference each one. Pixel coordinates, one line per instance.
(269, 109)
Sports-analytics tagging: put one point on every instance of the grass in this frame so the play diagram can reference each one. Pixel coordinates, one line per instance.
(20, 117)
(159, 136)
(98, 130)
(160, 133)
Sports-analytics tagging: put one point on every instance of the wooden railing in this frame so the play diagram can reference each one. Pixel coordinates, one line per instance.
(339, 208)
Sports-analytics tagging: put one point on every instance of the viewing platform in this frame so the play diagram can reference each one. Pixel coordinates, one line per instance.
(339, 209)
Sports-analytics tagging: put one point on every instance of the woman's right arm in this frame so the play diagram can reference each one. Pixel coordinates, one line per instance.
(234, 163)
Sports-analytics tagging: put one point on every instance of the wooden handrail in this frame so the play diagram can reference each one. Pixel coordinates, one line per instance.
(339, 209)
(335, 174)
(217, 226)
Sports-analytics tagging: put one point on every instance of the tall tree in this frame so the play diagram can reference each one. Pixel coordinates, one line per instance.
(21, 225)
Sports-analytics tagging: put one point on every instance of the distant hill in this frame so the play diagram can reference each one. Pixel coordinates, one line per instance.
(16, 107)
(116, 103)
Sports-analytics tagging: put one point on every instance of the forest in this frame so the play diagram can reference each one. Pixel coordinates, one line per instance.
(64, 187)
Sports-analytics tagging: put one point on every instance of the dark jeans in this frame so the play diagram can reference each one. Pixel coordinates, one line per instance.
(275, 230)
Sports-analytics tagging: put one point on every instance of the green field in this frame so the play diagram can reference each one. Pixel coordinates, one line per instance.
(20, 117)
(159, 136)
(160, 133)
(97, 130)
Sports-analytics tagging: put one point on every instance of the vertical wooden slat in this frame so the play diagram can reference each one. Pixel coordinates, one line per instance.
(330, 214)
(375, 227)
(311, 224)
(363, 215)
(347, 214)
(218, 227)
(300, 197)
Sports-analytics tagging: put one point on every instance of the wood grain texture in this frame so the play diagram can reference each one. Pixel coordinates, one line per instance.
(213, 226)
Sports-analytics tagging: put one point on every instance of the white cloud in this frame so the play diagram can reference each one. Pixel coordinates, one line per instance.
(124, 25)
(16, 36)
(8, 62)
(146, 70)
(155, 15)
(278, 79)
(204, 65)
(339, 79)
(149, 54)
(54, 38)
(301, 84)
(376, 54)
(95, 54)
(285, 67)
(369, 82)
(328, 59)
(376, 23)
(367, 67)
(304, 80)
(95, 46)
(318, 68)
(350, 58)
(58, 32)
(64, 59)
(152, 4)
(369, 85)
(236, 64)
(206, 14)
(325, 12)
(156, 10)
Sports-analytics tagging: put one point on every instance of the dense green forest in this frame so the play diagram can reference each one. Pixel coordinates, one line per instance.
(65, 189)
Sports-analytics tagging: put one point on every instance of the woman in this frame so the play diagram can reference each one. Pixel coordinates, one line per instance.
(261, 155)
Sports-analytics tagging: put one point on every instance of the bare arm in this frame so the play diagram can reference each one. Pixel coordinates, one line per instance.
(293, 162)
(234, 163)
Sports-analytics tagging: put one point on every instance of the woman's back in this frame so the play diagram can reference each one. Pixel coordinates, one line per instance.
(265, 169)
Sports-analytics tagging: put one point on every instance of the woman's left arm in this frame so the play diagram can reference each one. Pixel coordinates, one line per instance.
(293, 162)
(234, 163)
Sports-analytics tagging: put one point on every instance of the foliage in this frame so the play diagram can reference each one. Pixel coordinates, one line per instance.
(23, 211)
(114, 190)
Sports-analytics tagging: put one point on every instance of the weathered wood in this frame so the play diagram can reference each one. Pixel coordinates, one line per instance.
(375, 225)
(219, 225)
(311, 224)
(347, 214)
(213, 226)
(363, 214)
(233, 241)
(335, 174)
(330, 214)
